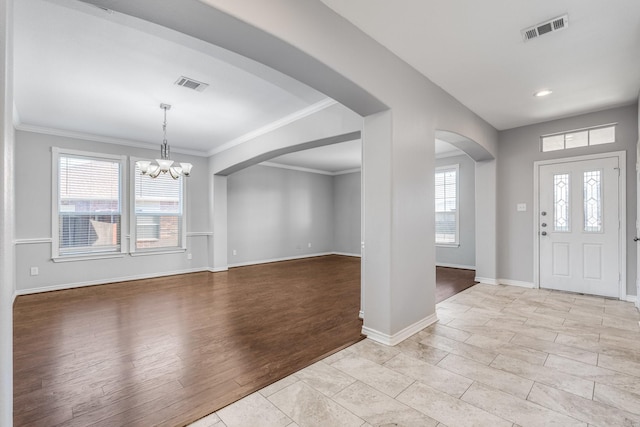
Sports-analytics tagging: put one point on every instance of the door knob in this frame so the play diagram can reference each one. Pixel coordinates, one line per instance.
(544, 233)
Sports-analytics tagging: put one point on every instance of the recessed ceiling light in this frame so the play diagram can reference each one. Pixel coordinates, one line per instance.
(543, 92)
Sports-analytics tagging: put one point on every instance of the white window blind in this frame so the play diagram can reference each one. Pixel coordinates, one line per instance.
(446, 201)
(158, 212)
(89, 205)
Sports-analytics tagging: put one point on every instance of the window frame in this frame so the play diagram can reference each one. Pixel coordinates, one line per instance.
(133, 250)
(587, 130)
(456, 168)
(57, 153)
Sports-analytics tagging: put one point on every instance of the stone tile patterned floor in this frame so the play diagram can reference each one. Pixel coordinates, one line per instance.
(498, 356)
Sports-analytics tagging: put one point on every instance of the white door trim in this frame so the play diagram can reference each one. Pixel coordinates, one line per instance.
(622, 209)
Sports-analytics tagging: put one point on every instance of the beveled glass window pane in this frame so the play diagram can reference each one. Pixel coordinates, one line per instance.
(593, 202)
(602, 136)
(576, 139)
(553, 143)
(561, 202)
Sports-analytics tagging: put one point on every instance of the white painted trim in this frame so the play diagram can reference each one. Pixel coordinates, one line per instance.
(295, 168)
(105, 139)
(300, 114)
(460, 266)
(105, 281)
(361, 314)
(631, 298)
(346, 254)
(218, 269)
(157, 252)
(266, 261)
(308, 170)
(486, 280)
(33, 241)
(199, 233)
(622, 199)
(344, 172)
(398, 337)
(13, 297)
(517, 283)
(90, 257)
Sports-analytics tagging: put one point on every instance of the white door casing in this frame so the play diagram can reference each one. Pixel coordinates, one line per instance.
(580, 225)
(637, 223)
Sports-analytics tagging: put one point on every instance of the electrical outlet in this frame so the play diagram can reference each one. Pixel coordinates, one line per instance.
(235, 252)
(189, 256)
(34, 271)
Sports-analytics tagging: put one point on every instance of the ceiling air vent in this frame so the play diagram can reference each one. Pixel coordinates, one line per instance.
(555, 24)
(191, 84)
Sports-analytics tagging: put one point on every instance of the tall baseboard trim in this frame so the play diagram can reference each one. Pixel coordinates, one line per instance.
(518, 283)
(397, 338)
(104, 281)
(290, 258)
(631, 298)
(346, 254)
(486, 280)
(460, 266)
(217, 269)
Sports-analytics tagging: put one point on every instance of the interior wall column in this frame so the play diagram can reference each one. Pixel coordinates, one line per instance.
(7, 257)
(486, 225)
(219, 216)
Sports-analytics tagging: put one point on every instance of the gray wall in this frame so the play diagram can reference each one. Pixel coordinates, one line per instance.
(465, 254)
(347, 213)
(518, 149)
(274, 213)
(33, 220)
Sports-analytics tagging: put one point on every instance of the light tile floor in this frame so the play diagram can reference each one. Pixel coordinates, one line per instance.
(499, 356)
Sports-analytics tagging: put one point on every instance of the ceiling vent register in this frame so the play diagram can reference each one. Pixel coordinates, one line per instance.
(550, 26)
(191, 84)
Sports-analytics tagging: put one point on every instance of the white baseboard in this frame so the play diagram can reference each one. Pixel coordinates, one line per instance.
(346, 254)
(486, 280)
(361, 314)
(266, 261)
(217, 269)
(13, 297)
(630, 298)
(460, 266)
(104, 281)
(518, 283)
(398, 337)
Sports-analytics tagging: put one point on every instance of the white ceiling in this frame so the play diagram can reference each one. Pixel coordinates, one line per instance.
(81, 69)
(474, 50)
(332, 159)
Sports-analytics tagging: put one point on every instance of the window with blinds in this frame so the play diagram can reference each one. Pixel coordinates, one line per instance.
(158, 212)
(446, 201)
(89, 204)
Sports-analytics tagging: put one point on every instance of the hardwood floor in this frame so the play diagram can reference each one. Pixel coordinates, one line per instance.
(450, 281)
(171, 350)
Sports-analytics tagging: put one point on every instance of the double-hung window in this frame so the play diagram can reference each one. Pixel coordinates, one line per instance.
(446, 202)
(87, 204)
(157, 214)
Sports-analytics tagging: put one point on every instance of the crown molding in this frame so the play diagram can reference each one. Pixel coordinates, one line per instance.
(300, 114)
(309, 170)
(101, 138)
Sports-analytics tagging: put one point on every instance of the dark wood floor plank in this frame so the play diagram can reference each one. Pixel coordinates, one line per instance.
(170, 350)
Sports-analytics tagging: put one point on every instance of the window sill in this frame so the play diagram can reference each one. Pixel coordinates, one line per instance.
(89, 257)
(447, 245)
(158, 252)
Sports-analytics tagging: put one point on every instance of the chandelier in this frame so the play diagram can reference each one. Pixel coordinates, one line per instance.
(164, 164)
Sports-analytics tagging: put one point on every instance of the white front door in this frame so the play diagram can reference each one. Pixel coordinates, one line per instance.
(579, 226)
